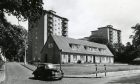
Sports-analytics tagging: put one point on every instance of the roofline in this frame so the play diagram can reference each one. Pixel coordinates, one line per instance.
(94, 31)
(49, 12)
(44, 45)
(109, 28)
(80, 40)
(88, 54)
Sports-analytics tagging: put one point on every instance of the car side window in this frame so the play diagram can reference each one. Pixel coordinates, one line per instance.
(41, 66)
(46, 67)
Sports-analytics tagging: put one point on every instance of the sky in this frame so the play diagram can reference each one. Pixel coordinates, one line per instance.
(88, 15)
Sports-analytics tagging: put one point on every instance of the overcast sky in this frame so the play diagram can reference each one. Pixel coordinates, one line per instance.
(87, 15)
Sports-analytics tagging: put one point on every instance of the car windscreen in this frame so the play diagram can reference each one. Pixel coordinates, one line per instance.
(50, 66)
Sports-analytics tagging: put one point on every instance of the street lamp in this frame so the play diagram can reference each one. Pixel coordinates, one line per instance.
(25, 61)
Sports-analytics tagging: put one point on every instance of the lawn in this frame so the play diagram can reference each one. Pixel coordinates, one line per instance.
(79, 69)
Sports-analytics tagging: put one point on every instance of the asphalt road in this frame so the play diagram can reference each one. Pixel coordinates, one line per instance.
(127, 80)
(18, 74)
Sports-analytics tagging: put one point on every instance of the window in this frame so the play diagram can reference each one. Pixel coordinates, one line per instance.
(103, 58)
(78, 46)
(74, 46)
(36, 37)
(64, 56)
(74, 57)
(91, 49)
(85, 47)
(101, 49)
(70, 45)
(82, 57)
(50, 45)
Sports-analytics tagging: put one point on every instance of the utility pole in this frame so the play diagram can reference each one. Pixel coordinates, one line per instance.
(105, 69)
(96, 71)
(60, 59)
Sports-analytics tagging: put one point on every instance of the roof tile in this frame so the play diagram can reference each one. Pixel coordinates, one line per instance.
(63, 43)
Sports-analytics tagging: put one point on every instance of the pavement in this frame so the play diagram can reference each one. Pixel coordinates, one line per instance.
(2, 73)
(97, 75)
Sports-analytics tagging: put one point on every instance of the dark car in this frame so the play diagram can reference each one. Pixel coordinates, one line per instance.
(48, 71)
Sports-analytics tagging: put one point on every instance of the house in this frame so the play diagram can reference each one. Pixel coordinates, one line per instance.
(69, 50)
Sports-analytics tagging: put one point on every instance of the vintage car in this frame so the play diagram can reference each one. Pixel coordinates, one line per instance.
(48, 71)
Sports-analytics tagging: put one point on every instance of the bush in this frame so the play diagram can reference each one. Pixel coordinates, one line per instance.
(79, 62)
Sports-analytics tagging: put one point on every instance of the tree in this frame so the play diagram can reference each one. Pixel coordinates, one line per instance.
(22, 9)
(126, 55)
(131, 51)
(136, 36)
(24, 45)
(11, 38)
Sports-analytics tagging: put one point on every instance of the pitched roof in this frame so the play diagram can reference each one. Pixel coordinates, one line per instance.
(63, 43)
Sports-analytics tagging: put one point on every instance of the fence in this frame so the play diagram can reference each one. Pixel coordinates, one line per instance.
(104, 70)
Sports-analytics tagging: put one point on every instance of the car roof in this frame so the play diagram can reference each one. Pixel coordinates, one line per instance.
(45, 63)
(48, 65)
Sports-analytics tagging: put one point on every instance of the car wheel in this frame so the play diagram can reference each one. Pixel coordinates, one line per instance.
(60, 78)
(62, 75)
(35, 76)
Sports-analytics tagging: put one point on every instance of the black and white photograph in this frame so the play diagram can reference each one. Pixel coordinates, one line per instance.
(69, 42)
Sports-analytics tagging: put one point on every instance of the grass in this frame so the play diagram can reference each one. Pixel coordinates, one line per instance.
(82, 69)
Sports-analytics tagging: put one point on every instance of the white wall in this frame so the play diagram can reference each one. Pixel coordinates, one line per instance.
(90, 59)
(64, 58)
(111, 60)
(97, 59)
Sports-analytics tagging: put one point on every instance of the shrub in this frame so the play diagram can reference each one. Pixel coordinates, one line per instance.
(79, 62)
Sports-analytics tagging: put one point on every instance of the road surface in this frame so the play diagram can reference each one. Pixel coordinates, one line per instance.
(18, 74)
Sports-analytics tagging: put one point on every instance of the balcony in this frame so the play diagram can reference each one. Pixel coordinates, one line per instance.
(65, 29)
(65, 25)
(65, 22)
(50, 20)
(50, 16)
(50, 31)
(65, 33)
(50, 25)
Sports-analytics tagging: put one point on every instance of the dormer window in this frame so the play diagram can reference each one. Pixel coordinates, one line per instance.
(74, 46)
(101, 49)
(70, 45)
(85, 47)
(90, 48)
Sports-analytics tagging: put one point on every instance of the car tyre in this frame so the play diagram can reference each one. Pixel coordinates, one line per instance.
(60, 78)
(35, 76)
